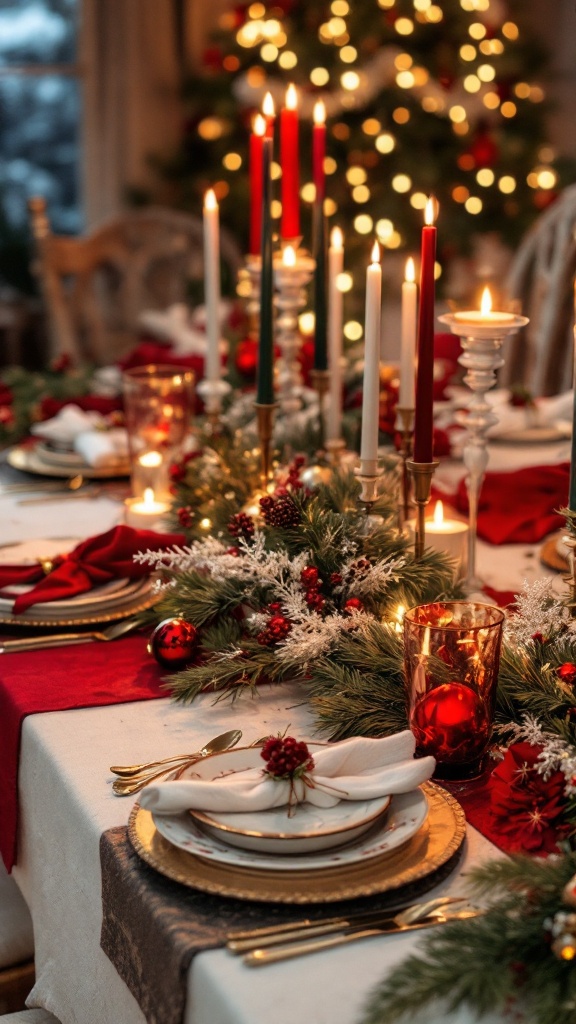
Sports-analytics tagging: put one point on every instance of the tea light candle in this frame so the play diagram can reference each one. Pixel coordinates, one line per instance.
(447, 535)
(145, 513)
(485, 316)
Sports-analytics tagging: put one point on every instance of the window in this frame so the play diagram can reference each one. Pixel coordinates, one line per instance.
(40, 111)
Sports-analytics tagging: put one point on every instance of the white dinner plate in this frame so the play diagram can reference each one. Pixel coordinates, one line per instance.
(406, 815)
(545, 434)
(28, 459)
(307, 830)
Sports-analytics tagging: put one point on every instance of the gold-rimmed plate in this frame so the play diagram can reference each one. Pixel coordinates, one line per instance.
(28, 459)
(430, 849)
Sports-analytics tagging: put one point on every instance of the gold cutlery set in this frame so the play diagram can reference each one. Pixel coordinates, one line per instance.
(133, 777)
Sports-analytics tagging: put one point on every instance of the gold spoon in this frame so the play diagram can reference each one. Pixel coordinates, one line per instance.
(135, 777)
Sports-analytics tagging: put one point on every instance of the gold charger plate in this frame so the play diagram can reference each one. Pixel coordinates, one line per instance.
(122, 611)
(551, 557)
(440, 837)
(27, 459)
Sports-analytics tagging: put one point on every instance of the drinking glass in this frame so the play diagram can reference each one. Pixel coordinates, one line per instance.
(157, 404)
(451, 662)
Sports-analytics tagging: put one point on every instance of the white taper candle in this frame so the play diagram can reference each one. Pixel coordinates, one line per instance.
(212, 286)
(335, 267)
(371, 388)
(408, 343)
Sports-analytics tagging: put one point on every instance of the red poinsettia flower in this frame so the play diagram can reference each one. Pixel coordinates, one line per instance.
(526, 808)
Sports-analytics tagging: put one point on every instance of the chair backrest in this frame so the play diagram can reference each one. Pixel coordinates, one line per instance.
(96, 286)
(540, 283)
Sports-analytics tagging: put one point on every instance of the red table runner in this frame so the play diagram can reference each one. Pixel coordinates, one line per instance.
(94, 675)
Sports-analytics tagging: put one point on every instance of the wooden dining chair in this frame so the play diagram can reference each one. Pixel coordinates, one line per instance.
(540, 285)
(96, 286)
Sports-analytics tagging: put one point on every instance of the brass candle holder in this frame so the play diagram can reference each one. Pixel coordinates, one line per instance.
(405, 425)
(321, 383)
(265, 422)
(368, 474)
(570, 541)
(422, 473)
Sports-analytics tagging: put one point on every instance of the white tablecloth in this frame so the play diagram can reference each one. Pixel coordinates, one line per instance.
(66, 803)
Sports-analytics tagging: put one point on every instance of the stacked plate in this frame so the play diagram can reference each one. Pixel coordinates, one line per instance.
(318, 854)
(114, 600)
(45, 460)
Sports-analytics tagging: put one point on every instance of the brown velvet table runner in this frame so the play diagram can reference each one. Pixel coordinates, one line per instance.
(152, 927)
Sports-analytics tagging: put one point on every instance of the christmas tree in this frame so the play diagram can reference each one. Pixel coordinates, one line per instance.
(421, 97)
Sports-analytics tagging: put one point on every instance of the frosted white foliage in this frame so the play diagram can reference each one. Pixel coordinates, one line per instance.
(556, 754)
(540, 610)
(378, 577)
(314, 636)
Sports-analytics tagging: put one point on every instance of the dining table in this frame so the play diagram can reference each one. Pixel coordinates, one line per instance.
(66, 804)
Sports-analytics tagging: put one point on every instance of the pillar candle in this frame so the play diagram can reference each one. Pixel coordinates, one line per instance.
(371, 387)
(269, 113)
(289, 161)
(335, 266)
(408, 338)
(212, 286)
(319, 149)
(256, 184)
(264, 389)
(572, 498)
(425, 343)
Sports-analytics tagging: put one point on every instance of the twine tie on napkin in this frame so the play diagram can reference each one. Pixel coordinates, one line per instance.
(91, 563)
(358, 768)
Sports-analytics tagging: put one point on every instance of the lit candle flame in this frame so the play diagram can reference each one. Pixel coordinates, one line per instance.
(148, 497)
(431, 210)
(210, 200)
(438, 513)
(375, 257)
(410, 273)
(337, 239)
(486, 302)
(150, 460)
(291, 97)
(268, 108)
(319, 112)
(259, 127)
(289, 256)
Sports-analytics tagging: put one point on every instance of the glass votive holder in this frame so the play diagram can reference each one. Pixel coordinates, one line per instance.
(451, 663)
(157, 406)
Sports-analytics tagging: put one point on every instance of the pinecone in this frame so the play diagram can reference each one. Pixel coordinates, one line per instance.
(241, 525)
(280, 512)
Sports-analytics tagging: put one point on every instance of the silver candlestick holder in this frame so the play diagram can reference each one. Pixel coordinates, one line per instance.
(293, 270)
(482, 338)
(368, 474)
(249, 290)
(212, 393)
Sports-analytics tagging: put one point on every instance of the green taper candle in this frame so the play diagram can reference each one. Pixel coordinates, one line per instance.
(265, 389)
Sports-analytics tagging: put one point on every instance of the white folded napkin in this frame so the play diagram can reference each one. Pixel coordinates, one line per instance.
(183, 330)
(355, 769)
(65, 426)
(103, 449)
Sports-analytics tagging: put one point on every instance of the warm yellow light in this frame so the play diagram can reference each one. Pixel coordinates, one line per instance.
(457, 113)
(319, 76)
(275, 171)
(356, 175)
(336, 26)
(491, 100)
(431, 210)
(259, 127)
(269, 52)
(486, 73)
(288, 60)
(308, 192)
(472, 83)
(375, 254)
(348, 54)
(401, 183)
(418, 200)
(409, 271)
(319, 113)
(360, 194)
(350, 80)
(508, 109)
(405, 79)
(473, 205)
(403, 62)
(522, 90)
(210, 200)
(371, 126)
(363, 224)
(211, 128)
(385, 143)
(344, 282)
(307, 322)
(485, 177)
(268, 108)
(460, 193)
(205, 523)
(291, 97)
(536, 94)
(353, 330)
(401, 115)
(546, 178)
(276, 209)
(404, 26)
(150, 460)
(421, 76)
(330, 207)
(468, 52)
(507, 184)
(232, 161)
(431, 104)
(337, 239)
(340, 7)
(271, 28)
(289, 256)
(330, 165)
(434, 14)
(438, 513)
(486, 302)
(256, 10)
(510, 30)
(437, 270)
(384, 229)
(477, 30)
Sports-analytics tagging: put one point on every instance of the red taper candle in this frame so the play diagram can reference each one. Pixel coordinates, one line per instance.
(319, 149)
(289, 161)
(256, 140)
(423, 428)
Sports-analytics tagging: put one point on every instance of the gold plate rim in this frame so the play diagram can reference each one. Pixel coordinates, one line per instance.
(436, 842)
(122, 612)
(18, 457)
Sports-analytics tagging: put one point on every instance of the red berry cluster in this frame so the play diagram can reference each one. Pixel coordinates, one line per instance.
(310, 580)
(293, 480)
(286, 757)
(353, 604)
(185, 516)
(177, 470)
(360, 568)
(277, 628)
(567, 673)
(241, 525)
(280, 511)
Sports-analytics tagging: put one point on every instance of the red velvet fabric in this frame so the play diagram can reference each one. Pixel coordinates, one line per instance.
(519, 507)
(95, 561)
(72, 677)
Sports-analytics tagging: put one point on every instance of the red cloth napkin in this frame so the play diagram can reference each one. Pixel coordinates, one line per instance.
(71, 677)
(518, 507)
(95, 561)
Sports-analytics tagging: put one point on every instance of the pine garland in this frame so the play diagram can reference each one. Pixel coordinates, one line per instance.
(494, 963)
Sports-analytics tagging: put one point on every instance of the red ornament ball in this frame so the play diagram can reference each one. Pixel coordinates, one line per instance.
(451, 723)
(309, 577)
(246, 357)
(353, 604)
(567, 672)
(174, 643)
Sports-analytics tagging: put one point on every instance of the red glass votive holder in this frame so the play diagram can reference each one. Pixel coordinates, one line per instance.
(451, 663)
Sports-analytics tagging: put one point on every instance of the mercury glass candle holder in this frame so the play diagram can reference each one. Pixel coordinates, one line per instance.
(293, 269)
(482, 337)
(451, 662)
